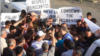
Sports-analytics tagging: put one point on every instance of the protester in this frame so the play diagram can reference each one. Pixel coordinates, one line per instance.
(70, 46)
(18, 51)
(32, 36)
(21, 43)
(39, 41)
(82, 42)
(59, 39)
(3, 40)
(89, 37)
(45, 47)
(9, 50)
(65, 33)
(20, 30)
(89, 15)
(27, 39)
(64, 24)
(30, 51)
(48, 35)
(23, 14)
(7, 26)
(94, 20)
(77, 52)
(12, 32)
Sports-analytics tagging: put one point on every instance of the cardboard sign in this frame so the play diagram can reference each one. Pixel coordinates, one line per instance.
(52, 13)
(9, 16)
(37, 11)
(37, 4)
(69, 15)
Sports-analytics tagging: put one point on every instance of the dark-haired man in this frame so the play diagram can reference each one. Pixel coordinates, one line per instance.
(18, 51)
(20, 30)
(70, 46)
(7, 26)
(21, 43)
(12, 32)
(23, 14)
(89, 37)
(30, 51)
(82, 42)
(89, 15)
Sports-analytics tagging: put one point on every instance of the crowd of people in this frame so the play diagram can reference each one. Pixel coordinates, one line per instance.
(31, 36)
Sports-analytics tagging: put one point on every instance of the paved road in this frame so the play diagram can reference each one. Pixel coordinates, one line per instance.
(63, 3)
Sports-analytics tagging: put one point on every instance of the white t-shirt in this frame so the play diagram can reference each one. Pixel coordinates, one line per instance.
(38, 46)
(7, 30)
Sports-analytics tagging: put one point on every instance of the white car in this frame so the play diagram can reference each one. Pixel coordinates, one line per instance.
(94, 49)
(12, 5)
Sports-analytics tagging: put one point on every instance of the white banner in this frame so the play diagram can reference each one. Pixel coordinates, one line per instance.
(9, 16)
(52, 13)
(69, 15)
(37, 11)
(37, 4)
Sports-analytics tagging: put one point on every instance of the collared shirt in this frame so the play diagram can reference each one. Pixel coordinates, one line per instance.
(38, 46)
(68, 53)
(68, 36)
(3, 44)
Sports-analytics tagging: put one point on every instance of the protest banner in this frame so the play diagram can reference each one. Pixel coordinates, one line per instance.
(37, 4)
(37, 11)
(9, 16)
(69, 15)
(50, 13)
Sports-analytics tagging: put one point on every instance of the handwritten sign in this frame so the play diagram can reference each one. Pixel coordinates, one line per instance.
(69, 15)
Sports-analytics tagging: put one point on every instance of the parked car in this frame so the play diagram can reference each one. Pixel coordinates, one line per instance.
(94, 49)
(12, 5)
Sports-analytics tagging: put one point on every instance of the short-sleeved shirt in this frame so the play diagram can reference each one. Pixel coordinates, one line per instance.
(68, 36)
(49, 53)
(38, 46)
(59, 43)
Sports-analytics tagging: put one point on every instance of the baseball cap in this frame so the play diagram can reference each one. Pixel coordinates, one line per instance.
(40, 33)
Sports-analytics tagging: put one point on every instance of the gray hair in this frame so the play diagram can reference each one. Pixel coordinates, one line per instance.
(79, 51)
(10, 42)
(45, 46)
(64, 29)
(2, 32)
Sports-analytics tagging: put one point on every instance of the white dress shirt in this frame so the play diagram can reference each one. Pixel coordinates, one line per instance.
(3, 44)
